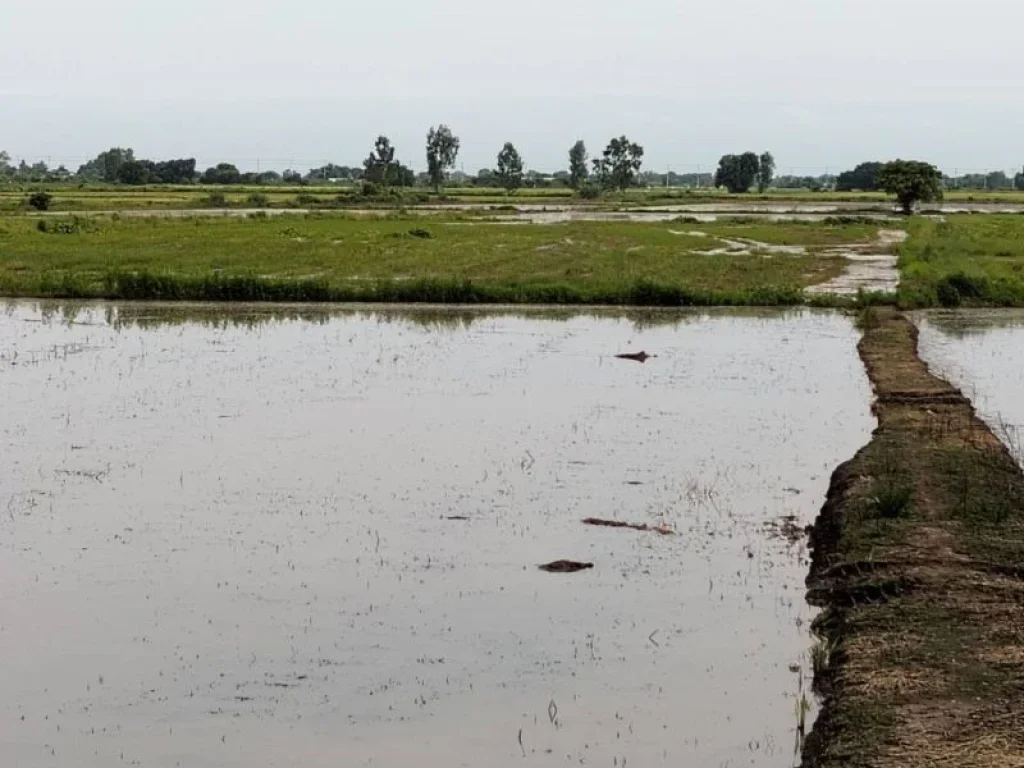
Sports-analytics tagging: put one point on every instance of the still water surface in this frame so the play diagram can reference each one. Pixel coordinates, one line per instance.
(225, 535)
(982, 353)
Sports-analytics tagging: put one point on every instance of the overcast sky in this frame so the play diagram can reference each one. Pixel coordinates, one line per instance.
(821, 83)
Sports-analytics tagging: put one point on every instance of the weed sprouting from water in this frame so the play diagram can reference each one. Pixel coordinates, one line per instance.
(868, 320)
(821, 656)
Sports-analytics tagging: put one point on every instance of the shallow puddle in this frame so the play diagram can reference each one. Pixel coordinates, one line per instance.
(276, 537)
(872, 267)
(982, 353)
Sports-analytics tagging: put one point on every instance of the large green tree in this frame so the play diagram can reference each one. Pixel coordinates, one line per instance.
(765, 171)
(442, 149)
(912, 182)
(510, 168)
(619, 164)
(578, 170)
(737, 173)
(1018, 181)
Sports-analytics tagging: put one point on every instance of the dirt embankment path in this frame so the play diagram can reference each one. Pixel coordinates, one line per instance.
(918, 561)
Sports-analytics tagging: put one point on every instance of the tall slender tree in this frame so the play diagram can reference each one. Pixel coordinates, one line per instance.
(380, 165)
(578, 170)
(510, 168)
(442, 149)
(765, 171)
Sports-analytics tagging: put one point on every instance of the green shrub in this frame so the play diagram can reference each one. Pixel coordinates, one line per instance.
(258, 200)
(947, 294)
(41, 201)
(60, 227)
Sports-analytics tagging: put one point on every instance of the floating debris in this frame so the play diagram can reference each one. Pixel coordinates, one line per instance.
(664, 530)
(787, 528)
(456, 517)
(639, 357)
(565, 566)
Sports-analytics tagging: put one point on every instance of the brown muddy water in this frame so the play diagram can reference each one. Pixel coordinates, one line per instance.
(227, 534)
(981, 352)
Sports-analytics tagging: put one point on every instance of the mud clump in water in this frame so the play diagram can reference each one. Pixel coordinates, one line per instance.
(639, 357)
(664, 530)
(565, 566)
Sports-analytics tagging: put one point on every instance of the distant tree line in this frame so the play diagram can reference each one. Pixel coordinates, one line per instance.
(617, 168)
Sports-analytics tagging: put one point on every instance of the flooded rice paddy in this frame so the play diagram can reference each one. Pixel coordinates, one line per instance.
(982, 353)
(255, 537)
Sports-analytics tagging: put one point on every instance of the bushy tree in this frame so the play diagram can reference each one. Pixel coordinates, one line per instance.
(442, 149)
(106, 165)
(510, 168)
(178, 171)
(864, 178)
(138, 172)
(737, 173)
(911, 182)
(998, 180)
(578, 170)
(223, 173)
(619, 164)
(484, 178)
(765, 171)
(40, 201)
(377, 168)
(401, 175)
(135, 172)
(1018, 181)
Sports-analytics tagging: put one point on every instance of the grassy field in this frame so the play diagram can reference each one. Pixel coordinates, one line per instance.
(970, 260)
(333, 257)
(918, 561)
(112, 197)
(964, 260)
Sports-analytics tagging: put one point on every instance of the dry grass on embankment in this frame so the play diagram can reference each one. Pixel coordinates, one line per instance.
(919, 565)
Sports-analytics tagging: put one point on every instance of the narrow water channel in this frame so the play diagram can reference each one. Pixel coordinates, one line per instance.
(253, 537)
(982, 353)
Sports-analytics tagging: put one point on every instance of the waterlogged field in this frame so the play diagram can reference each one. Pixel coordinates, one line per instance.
(408, 258)
(982, 353)
(74, 197)
(295, 537)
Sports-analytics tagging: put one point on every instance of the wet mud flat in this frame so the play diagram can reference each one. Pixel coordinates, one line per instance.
(918, 563)
(245, 536)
